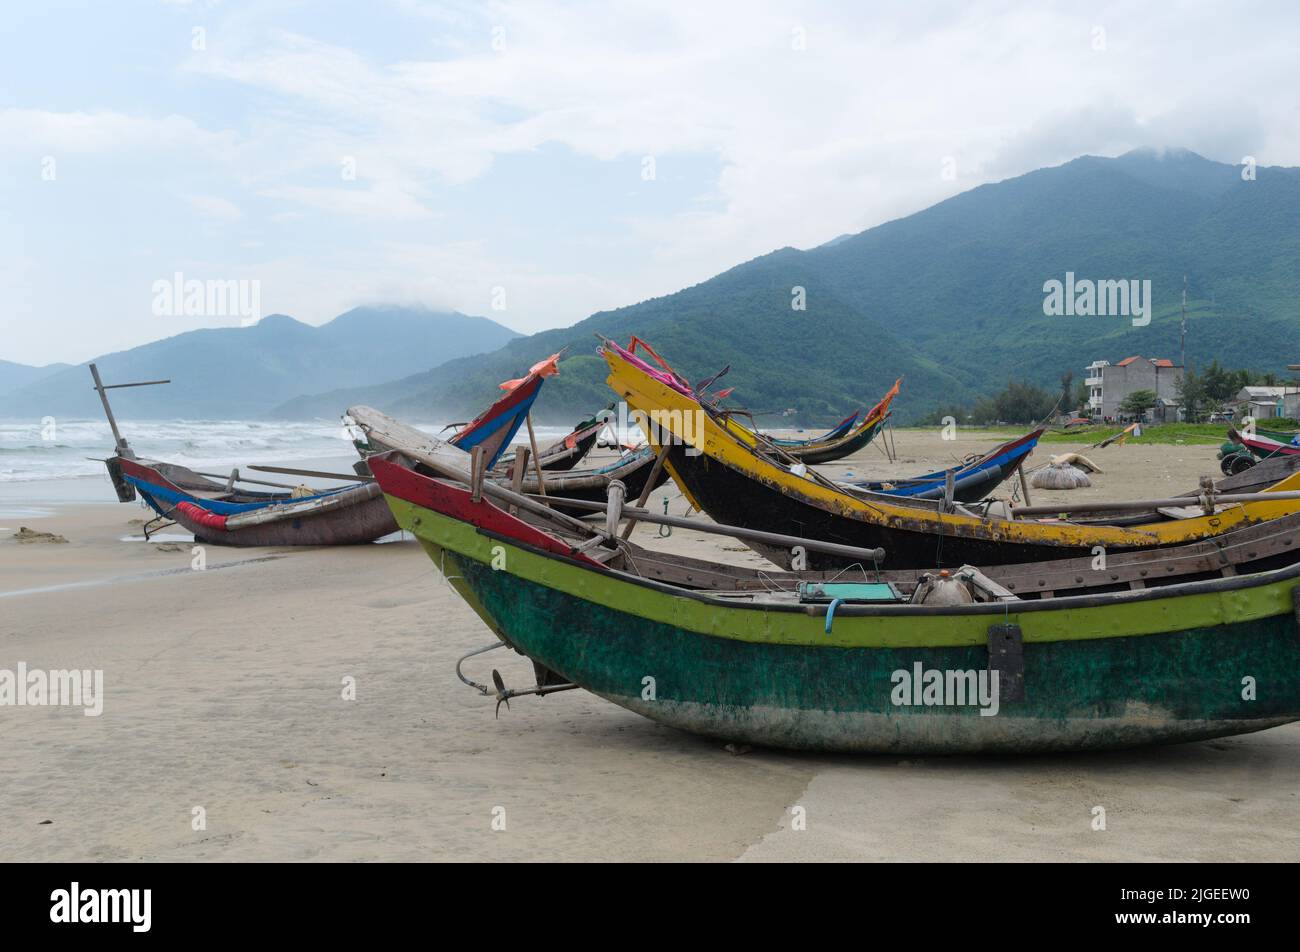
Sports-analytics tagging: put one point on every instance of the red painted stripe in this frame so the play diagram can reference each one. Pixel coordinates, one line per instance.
(203, 517)
(448, 500)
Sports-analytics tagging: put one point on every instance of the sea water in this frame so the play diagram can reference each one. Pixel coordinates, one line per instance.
(41, 465)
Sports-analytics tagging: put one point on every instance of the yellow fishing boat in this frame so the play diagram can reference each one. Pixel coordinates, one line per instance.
(742, 485)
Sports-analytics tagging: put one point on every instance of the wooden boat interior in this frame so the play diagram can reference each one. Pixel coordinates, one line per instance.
(1256, 548)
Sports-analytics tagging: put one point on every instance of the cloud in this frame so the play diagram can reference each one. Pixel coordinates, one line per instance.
(381, 202)
(811, 120)
(213, 206)
(107, 132)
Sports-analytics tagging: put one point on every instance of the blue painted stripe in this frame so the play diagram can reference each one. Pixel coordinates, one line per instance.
(917, 485)
(173, 496)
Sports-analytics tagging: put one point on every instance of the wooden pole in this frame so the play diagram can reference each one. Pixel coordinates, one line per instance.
(235, 473)
(287, 471)
(532, 504)
(1024, 483)
(1137, 505)
(616, 492)
(736, 532)
(476, 468)
(647, 489)
(121, 447)
(537, 457)
(517, 475)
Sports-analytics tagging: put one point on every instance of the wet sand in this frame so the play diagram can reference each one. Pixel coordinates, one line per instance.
(223, 690)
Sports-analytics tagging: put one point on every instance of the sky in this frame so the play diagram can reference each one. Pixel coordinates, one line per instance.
(535, 162)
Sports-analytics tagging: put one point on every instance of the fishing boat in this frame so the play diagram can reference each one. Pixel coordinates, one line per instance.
(836, 444)
(842, 440)
(568, 451)
(231, 513)
(562, 455)
(1264, 444)
(972, 480)
(736, 484)
(636, 468)
(851, 661)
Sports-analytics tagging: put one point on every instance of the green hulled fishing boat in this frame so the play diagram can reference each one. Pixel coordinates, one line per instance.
(855, 664)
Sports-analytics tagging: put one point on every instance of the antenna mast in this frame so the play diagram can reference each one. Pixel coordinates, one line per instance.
(1182, 334)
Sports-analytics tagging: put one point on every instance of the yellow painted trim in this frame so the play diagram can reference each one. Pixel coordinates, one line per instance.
(746, 622)
(669, 408)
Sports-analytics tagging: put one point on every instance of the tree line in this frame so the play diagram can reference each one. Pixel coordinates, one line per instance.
(1021, 402)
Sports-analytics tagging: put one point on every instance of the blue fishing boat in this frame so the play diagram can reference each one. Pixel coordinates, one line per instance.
(972, 480)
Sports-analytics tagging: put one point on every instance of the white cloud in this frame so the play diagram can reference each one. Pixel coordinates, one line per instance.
(47, 131)
(380, 202)
(214, 206)
(811, 143)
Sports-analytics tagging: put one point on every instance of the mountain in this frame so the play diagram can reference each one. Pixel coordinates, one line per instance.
(242, 372)
(13, 376)
(952, 297)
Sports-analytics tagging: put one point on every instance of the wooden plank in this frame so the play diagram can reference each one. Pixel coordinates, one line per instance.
(517, 474)
(648, 489)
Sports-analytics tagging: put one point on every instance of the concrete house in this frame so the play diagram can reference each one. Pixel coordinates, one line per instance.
(1109, 384)
(1265, 403)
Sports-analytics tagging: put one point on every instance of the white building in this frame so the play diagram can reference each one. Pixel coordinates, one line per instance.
(1093, 382)
(1109, 385)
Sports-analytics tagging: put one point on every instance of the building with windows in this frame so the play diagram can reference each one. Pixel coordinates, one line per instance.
(1093, 382)
(1109, 385)
(1265, 403)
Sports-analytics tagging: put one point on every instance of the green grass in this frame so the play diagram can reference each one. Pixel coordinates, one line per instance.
(1203, 434)
(1206, 434)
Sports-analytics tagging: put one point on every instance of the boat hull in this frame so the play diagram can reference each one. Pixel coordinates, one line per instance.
(1097, 674)
(353, 516)
(740, 487)
(733, 498)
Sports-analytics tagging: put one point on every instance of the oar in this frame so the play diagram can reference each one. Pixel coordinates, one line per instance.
(354, 478)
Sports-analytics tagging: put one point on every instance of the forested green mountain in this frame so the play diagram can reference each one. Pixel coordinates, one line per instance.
(952, 297)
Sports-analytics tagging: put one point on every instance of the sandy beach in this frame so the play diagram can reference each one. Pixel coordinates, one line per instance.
(224, 690)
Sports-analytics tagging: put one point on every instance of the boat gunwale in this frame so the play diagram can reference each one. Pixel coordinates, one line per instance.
(1176, 590)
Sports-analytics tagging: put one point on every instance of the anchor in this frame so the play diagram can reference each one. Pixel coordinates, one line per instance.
(548, 682)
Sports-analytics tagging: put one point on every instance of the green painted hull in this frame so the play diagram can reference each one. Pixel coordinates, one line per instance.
(1143, 671)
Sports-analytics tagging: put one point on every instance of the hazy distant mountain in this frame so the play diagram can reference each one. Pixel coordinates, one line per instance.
(13, 376)
(952, 297)
(241, 372)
